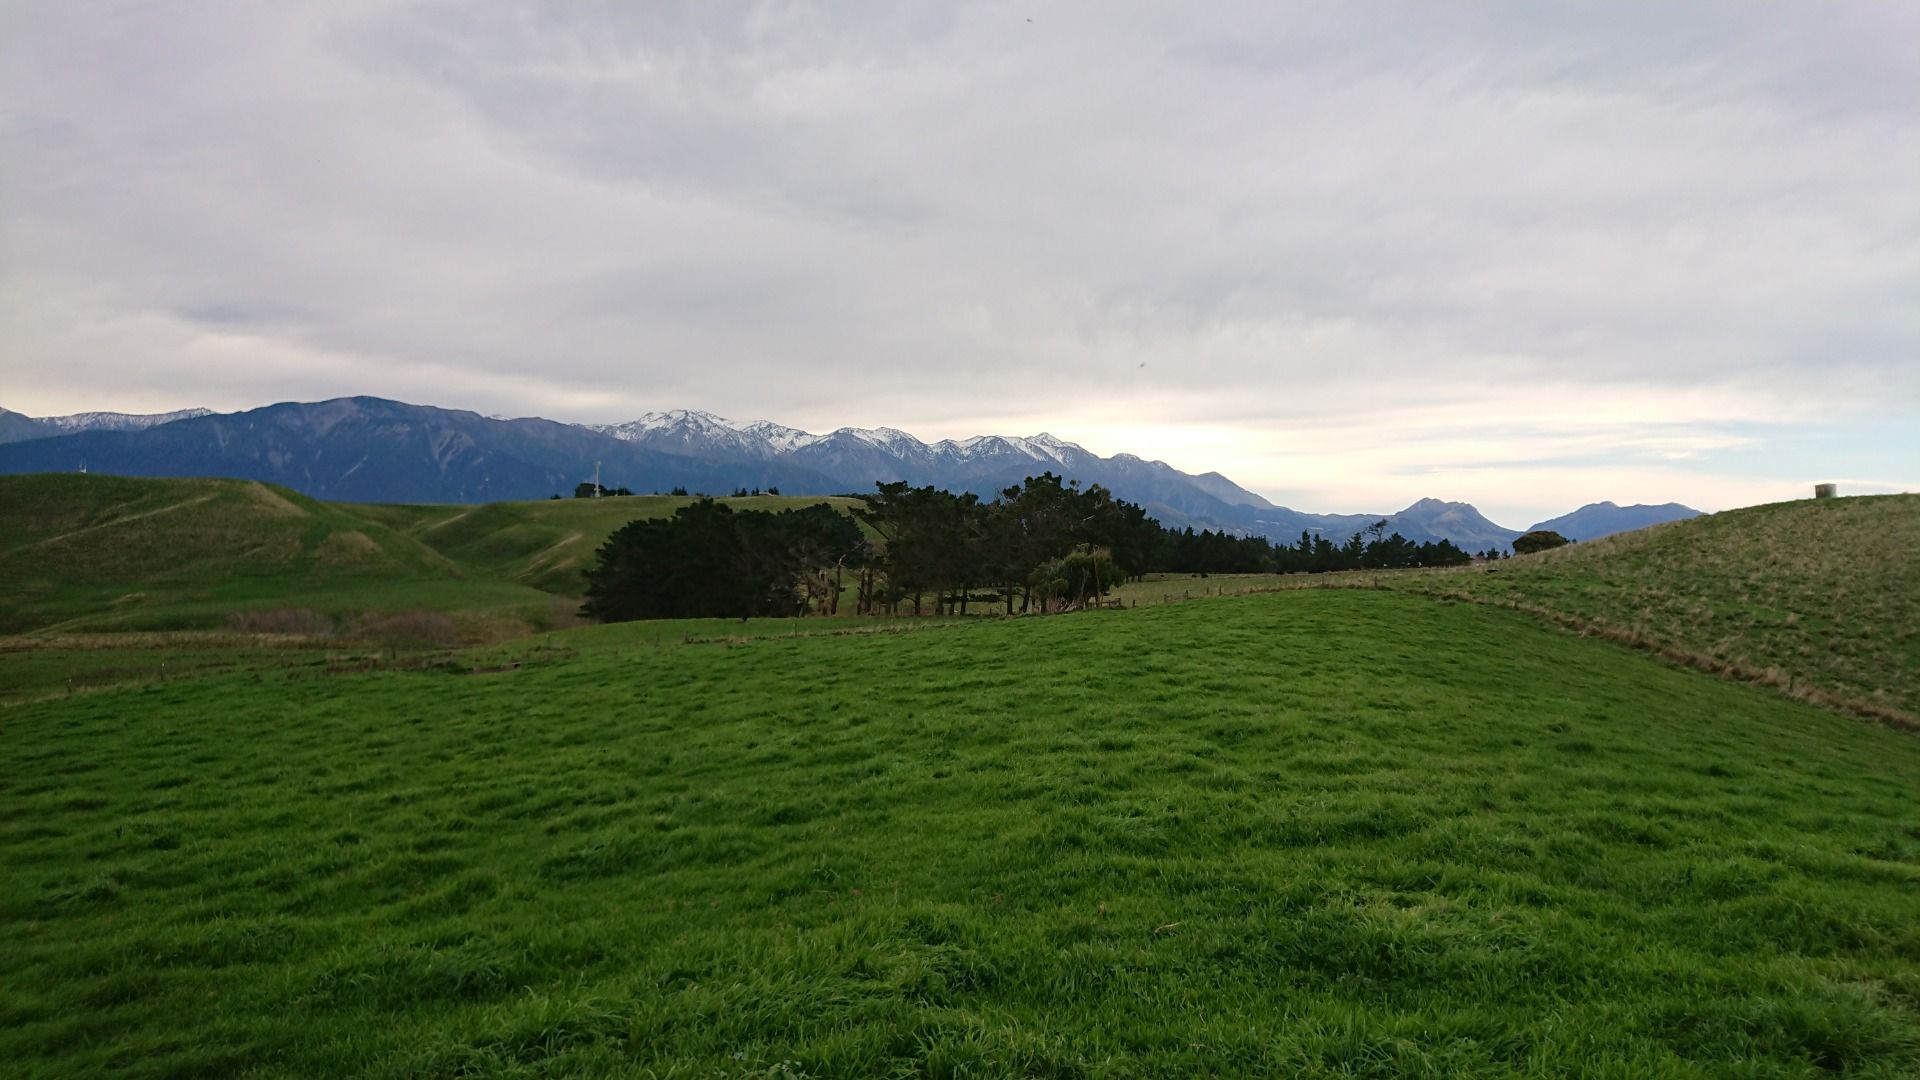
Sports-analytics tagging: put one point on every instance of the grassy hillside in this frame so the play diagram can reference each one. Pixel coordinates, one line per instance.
(1323, 833)
(85, 529)
(545, 544)
(1820, 597)
(100, 553)
(82, 552)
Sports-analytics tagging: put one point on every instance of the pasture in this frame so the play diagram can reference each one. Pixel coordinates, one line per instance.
(1819, 597)
(1316, 833)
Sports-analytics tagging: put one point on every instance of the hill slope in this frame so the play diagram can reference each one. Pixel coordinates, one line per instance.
(1820, 595)
(103, 552)
(1328, 833)
(92, 552)
(548, 543)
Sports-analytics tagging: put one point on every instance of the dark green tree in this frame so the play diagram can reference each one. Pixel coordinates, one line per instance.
(1538, 540)
(708, 561)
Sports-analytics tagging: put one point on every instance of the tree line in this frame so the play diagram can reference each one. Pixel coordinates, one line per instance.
(711, 561)
(1042, 545)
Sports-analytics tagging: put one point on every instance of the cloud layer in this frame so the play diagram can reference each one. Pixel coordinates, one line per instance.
(1347, 254)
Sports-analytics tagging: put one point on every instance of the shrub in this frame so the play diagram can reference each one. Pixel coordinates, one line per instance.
(1538, 540)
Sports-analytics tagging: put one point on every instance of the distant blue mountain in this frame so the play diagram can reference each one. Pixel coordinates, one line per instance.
(365, 449)
(1595, 520)
(15, 427)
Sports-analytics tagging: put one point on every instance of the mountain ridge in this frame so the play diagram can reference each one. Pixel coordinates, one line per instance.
(1605, 518)
(365, 449)
(18, 427)
(368, 449)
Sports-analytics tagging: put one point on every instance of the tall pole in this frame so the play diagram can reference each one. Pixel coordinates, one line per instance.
(596, 479)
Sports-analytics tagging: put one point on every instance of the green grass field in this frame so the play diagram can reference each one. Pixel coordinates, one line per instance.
(1819, 597)
(1315, 833)
(259, 819)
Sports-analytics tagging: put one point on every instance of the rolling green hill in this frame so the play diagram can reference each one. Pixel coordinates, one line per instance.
(1324, 833)
(546, 544)
(1819, 597)
(100, 553)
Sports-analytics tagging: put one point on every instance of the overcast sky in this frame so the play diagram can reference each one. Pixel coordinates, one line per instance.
(1524, 255)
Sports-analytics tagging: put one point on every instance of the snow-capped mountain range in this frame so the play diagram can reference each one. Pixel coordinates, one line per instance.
(15, 427)
(371, 450)
(984, 464)
(763, 439)
(115, 421)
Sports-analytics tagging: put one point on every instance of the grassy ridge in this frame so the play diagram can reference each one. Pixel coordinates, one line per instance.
(547, 544)
(1819, 596)
(1334, 833)
(102, 529)
(101, 553)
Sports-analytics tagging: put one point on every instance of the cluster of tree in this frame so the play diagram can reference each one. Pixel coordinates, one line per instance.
(1371, 548)
(1043, 545)
(710, 561)
(1538, 540)
(587, 489)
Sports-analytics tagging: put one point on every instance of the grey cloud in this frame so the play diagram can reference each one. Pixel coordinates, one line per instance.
(915, 214)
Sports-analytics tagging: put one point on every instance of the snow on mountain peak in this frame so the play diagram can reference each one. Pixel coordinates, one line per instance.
(681, 420)
(783, 439)
(1041, 447)
(885, 438)
(693, 418)
(1047, 445)
(681, 428)
(113, 421)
